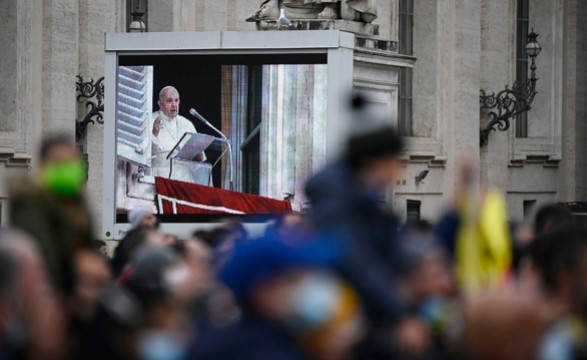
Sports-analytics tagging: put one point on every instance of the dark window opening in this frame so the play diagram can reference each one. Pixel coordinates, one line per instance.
(413, 211)
(406, 47)
(522, 26)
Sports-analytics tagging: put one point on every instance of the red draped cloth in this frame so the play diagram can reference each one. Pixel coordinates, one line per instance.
(199, 199)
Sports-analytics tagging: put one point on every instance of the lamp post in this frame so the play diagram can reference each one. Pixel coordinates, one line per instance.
(137, 11)
(512, 101)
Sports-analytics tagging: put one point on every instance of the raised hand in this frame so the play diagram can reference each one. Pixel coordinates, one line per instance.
(157, 125)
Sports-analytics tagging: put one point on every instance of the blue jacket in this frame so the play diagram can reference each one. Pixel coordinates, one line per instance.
(345, 211)
(250, 339)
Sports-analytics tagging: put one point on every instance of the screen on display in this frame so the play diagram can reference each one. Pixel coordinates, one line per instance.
(211, 135)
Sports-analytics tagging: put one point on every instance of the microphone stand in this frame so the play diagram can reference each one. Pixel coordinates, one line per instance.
(197, 115)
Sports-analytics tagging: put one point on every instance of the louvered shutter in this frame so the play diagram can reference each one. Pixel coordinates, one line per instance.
(134, 106)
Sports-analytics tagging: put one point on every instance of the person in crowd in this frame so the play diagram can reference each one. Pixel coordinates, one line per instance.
(132, 241)
(292, 307)
(210, 304)
(346, 199)
(427, 285)
(224, 238)
(142, 316)
(503, 326)
(142, 217)
(93, 274)
(167, 129)
(284, 225)
(550, 216)
(170, 239)
(101, 248)
(52, 209)
(33, 324)
(560, 257)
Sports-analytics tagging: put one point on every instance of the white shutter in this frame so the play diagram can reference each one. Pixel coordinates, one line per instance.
(134, 104)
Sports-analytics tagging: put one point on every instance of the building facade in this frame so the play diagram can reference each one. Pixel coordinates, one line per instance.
(448, 50)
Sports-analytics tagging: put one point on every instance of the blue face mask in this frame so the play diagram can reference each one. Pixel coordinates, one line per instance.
(160, 345)
(434, 312)
(315, 301)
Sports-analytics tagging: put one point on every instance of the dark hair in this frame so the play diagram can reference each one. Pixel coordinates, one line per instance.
(179, 248)
(372, 145)
(378, 142)
(551, 215)
(205, 236)
(133, 240)
(558, 249)
(8, 274)
(52, 141)
(97, 244)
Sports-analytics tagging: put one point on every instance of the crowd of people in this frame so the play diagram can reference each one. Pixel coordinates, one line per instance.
(346, 280)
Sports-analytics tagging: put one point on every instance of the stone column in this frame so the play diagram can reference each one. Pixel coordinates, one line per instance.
(60, 64)
(20, 89)
(459, 96)
(95, 19)
(498, 40)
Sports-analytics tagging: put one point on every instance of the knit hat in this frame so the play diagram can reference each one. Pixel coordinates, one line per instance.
(136, 216)
(372, 135)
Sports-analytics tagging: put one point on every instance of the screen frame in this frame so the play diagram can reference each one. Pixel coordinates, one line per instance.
(338, 46)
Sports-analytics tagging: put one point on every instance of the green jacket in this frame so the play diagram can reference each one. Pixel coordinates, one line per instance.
(59, 226)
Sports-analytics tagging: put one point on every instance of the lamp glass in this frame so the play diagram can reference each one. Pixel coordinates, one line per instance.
(533, 49)
(137, 26)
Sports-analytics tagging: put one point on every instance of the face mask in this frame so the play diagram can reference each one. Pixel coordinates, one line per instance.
(315, 301)
(434, 312)
(160, 345)
(65, 179)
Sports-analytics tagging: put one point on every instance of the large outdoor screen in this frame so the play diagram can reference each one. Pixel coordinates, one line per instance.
(204, 136)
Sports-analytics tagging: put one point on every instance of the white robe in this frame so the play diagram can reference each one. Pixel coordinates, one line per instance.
(169, 134)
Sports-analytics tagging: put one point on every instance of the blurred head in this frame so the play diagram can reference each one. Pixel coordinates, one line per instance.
(34, 309)
(62, 170)
(169, 101)
(285, 224)
(550, 216)
(146, 275)
(132, 241)
(376, 155)
(170, 239)
(423, 266)
(101, 247)
(57, 149)
(560, 256)
(503, 327)
(8, 279)
(157, 278)
(288, 285)
(374, 148)
(92, 276)
(198, 257)
(141, 217)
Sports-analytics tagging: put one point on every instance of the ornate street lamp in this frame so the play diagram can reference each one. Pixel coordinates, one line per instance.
(509, 103)
(138, 9)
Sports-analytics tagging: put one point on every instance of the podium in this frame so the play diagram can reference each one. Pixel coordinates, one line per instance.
(180, 164)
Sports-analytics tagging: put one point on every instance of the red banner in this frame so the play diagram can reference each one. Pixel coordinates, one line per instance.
(178, 197)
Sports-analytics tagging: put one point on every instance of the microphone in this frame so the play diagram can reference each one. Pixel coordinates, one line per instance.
(206, 122)
(197, 115)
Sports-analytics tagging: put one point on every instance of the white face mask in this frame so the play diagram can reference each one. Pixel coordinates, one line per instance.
(176, 277)
(315, 301)
(160, 345)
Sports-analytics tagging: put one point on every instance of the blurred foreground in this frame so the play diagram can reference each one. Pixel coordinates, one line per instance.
(347, 281)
